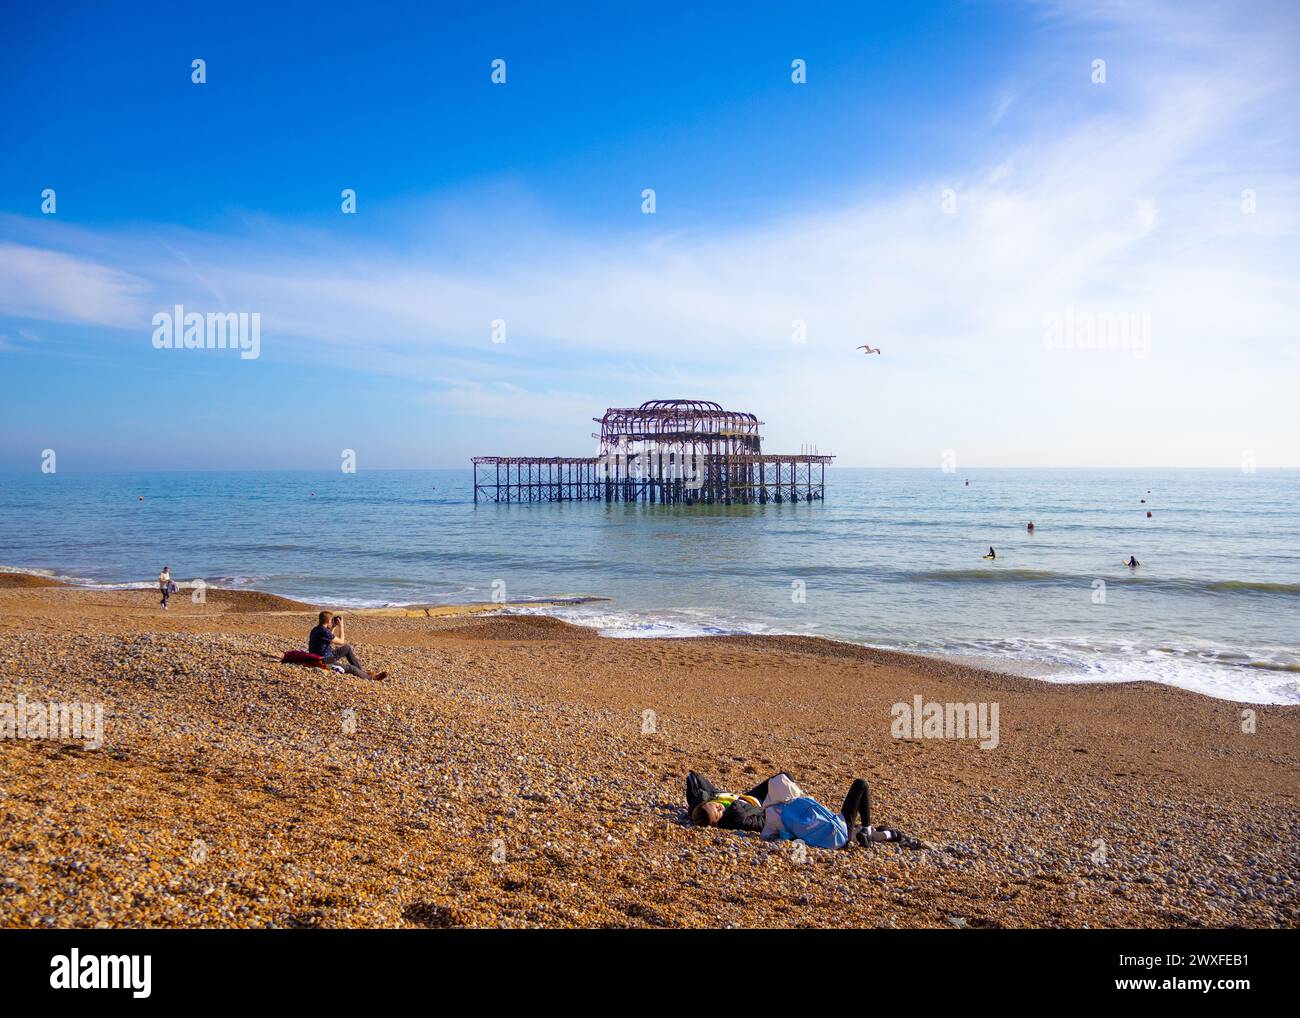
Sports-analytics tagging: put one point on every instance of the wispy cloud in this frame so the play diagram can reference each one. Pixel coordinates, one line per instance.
(58, 286)
(1134, 202)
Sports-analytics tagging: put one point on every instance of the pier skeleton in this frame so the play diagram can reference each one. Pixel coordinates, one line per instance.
(673, 451)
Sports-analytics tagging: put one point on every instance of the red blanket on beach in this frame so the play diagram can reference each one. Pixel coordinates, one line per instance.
(301, 657)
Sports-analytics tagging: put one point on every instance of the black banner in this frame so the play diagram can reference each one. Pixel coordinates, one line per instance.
(988, 968)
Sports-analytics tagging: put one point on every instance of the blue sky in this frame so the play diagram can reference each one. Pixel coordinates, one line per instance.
(949, 181)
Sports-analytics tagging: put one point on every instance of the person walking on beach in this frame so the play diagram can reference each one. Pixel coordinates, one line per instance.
(165, 585)
(321, 642)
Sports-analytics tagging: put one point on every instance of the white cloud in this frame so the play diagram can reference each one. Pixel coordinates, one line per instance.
(55, 286)
(1133, 206)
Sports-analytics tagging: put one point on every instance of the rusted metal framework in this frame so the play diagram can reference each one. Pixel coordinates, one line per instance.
(537, 478)
(674, 451)
(686, 425)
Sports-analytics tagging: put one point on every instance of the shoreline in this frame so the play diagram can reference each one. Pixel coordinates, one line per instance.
(516, 770)
(20, 577)
(1009, 667)
(1036, 669)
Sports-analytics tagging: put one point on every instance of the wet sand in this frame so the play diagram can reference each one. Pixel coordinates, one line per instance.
(504, 777)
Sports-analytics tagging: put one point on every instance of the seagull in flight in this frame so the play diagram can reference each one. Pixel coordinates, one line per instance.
(870, 349)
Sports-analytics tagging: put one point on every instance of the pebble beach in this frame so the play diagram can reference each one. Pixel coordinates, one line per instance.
(518, 771)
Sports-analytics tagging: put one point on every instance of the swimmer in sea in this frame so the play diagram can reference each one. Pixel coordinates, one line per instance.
(1132, 562)
(992, 553)
(1030, 528)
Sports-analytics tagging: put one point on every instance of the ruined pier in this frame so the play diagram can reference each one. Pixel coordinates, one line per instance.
(675, 452)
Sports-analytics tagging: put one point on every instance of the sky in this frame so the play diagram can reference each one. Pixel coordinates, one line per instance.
(1071, 230)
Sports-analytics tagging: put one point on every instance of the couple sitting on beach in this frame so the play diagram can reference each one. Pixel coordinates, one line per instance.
(338, 654)
(778, 809)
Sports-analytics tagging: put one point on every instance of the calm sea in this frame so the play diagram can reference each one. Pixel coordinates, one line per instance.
(893, 558)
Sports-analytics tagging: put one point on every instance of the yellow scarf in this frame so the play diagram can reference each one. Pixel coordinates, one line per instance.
(727, 798)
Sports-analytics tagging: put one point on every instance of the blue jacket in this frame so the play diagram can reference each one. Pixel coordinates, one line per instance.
(809, 821)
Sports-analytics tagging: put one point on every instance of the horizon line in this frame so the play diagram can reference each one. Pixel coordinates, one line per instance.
(467, 468)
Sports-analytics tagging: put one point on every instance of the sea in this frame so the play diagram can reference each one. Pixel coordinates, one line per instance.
(891, 558)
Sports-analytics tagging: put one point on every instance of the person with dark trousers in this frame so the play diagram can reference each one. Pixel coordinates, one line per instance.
(857, 808)
(321, 642)
(745, 811)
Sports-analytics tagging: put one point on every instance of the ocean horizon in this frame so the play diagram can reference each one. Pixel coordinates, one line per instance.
(893, 558)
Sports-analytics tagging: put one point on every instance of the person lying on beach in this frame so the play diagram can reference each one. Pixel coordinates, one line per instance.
(777, 808)
(321, 642)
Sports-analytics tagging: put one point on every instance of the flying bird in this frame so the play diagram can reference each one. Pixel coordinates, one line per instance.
(870, 349)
